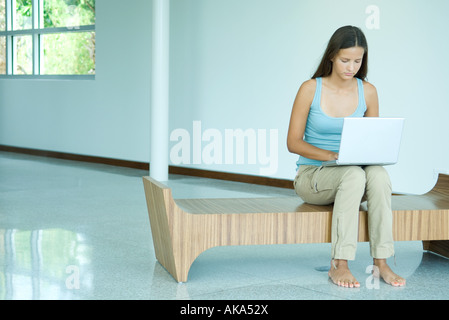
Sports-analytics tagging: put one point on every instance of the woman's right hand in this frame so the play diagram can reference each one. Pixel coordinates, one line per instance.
(333, 156)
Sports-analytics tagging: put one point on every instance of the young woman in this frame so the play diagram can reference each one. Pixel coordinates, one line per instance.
(337, 90)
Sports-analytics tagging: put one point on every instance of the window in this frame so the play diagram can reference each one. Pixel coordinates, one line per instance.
(47, 38)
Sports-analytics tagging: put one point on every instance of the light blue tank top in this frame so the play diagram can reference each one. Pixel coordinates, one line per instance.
(323, 131)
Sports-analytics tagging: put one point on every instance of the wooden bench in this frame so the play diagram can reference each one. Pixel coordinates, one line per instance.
(183, 229)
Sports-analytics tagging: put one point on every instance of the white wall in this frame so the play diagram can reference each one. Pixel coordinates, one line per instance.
(238, 64)
(107, 117)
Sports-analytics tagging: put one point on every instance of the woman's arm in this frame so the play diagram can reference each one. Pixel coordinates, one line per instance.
(372, 100)
(298, 121)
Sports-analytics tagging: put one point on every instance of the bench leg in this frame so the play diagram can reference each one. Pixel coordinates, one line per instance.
(171, 229)
(162, 240)
(440, 247)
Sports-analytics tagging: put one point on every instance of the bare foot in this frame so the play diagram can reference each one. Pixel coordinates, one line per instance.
(341, 276)
(387, 274)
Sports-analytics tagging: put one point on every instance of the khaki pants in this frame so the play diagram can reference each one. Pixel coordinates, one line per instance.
(346, 187)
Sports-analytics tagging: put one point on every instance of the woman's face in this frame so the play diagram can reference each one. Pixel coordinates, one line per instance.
(347, 62)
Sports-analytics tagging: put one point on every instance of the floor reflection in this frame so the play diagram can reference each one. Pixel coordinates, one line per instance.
(43, 264)
(80, 231)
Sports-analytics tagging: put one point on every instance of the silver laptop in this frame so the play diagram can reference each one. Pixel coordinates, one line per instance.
(369, 141)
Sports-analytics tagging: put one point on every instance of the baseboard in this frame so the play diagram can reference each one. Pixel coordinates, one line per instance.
(236, 177)
(76, 157)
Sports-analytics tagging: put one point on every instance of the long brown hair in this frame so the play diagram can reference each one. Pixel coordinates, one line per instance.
(343, 38)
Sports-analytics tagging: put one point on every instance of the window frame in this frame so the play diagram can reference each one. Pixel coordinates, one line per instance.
(36, 32)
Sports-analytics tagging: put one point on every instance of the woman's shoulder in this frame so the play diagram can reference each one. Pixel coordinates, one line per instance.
(369, 87)
(308, 87)
(306, 93)
(371, 98)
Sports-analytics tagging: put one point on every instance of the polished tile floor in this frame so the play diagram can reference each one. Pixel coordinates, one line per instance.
(71, 230)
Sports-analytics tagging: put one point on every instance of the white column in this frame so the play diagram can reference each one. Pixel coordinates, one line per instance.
(160, 91)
